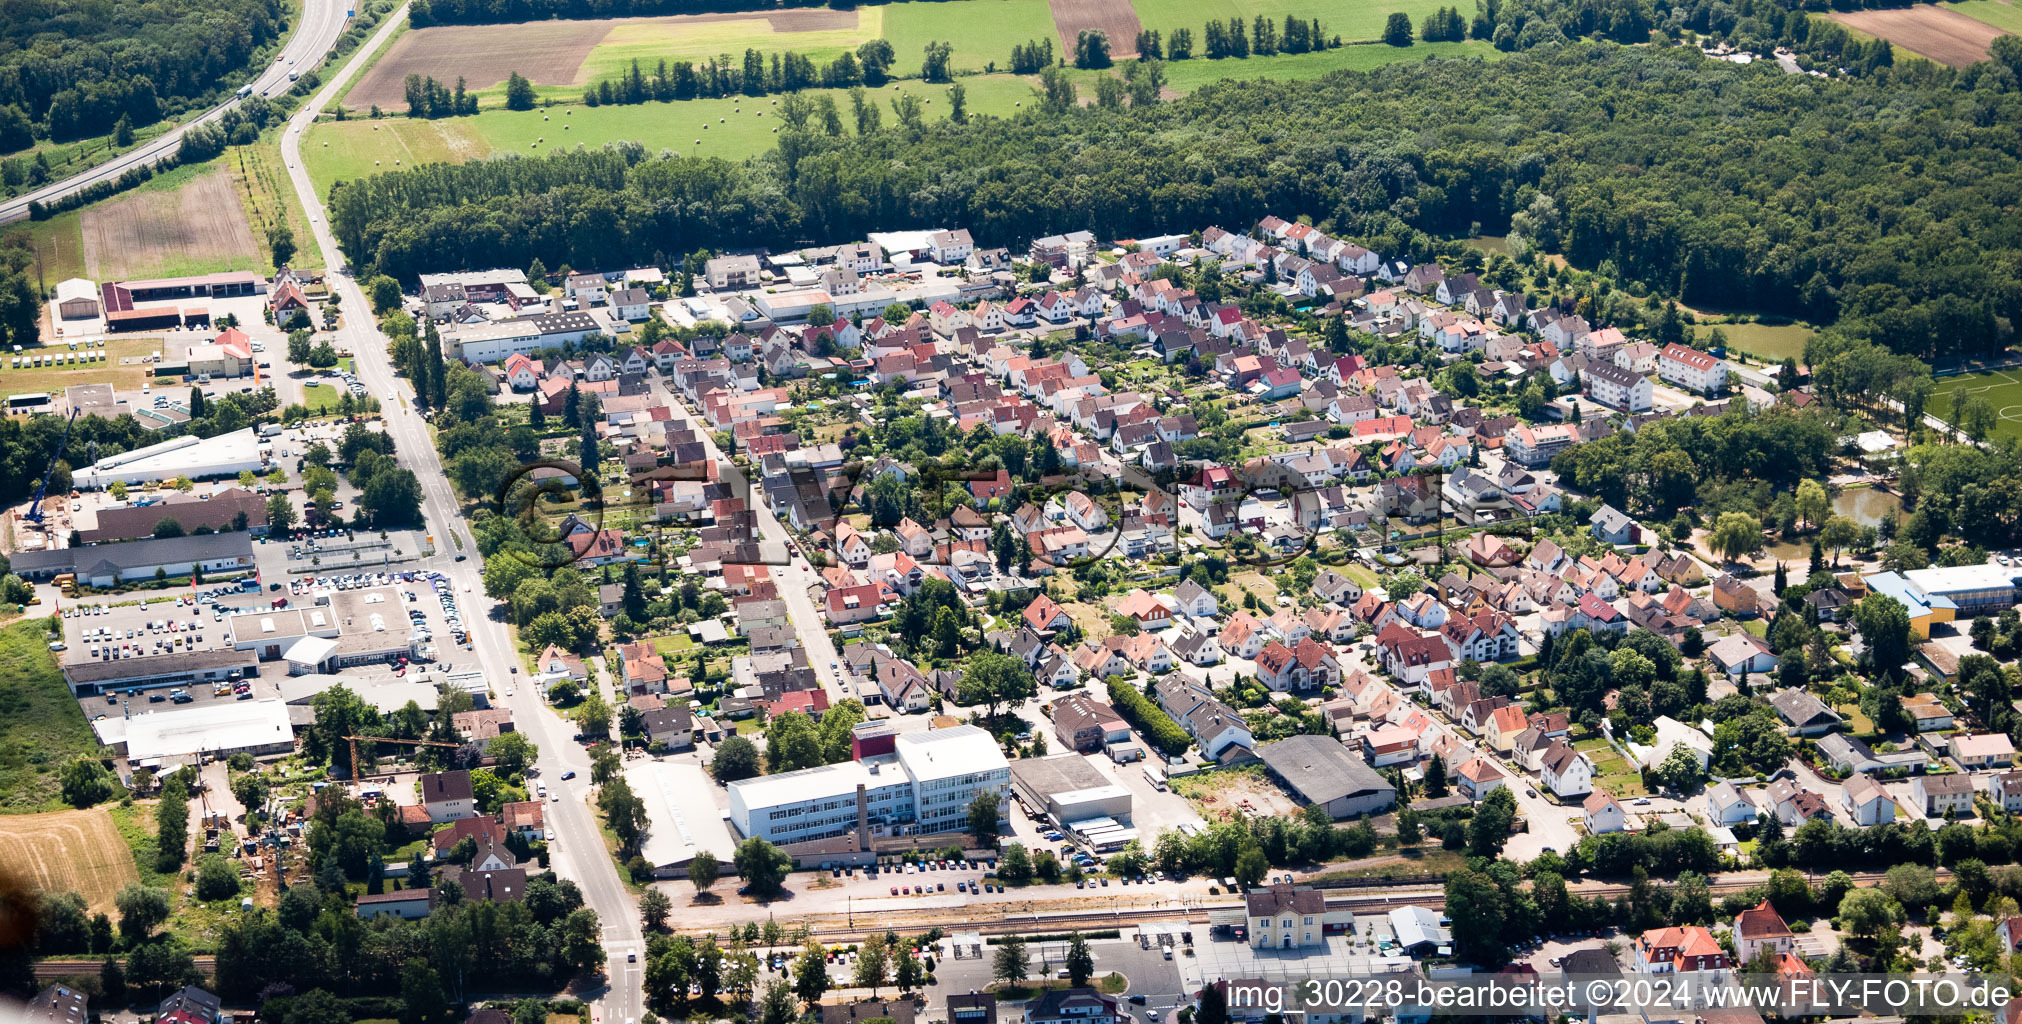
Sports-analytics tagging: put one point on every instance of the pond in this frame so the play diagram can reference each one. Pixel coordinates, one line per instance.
(1864, 505)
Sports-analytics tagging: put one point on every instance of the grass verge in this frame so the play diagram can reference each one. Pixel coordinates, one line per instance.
(41, 726)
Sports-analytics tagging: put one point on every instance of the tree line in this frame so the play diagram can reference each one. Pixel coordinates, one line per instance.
(1670, 220)
(75, 70)
(870, 64)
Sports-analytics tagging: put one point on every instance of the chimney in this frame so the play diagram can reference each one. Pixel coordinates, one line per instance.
(863, 820)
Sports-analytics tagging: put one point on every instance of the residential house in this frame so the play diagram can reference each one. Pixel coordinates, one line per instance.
(1602, 814)
(1477, 777)
(1735, 597)
(1692, 370)
(1761, 928)
(1867, 802)
(1938, 796)
(1984, 752)
(1565, 771)
(1804, 714)
(447, 796)
(1677, 951)
(1740, 654)
(1613, 526)
(1726, 805)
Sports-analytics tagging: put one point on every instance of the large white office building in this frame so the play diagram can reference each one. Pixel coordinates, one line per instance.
(925, 785)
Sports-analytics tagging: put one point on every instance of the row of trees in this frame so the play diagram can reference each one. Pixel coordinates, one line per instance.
(1264, 37)
(870, 64)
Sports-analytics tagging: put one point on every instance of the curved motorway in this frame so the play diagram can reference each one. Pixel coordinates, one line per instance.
(321, 23)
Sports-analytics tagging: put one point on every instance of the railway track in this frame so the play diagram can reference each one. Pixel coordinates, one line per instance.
(849, 928)
(1009, 919)
(50, 970)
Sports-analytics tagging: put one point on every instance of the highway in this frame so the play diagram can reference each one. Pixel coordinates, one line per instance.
(322, 22)
(578, 851)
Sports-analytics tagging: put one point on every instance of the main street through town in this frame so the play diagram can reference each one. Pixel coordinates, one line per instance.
(578, 852)
(322, 21)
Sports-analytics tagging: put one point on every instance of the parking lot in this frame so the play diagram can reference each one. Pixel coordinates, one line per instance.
(201, 621)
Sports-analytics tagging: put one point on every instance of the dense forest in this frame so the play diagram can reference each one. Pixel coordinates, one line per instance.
(1884, 202)
(75, 69)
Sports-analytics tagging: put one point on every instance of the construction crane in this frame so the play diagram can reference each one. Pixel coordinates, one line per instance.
(35, 514)
(389, 739)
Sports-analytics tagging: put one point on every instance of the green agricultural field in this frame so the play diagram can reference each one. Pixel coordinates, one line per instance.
(58, 243)
(1362, 20)
(1187, 75)
(1999, 13)
(735, 130)
(982, 31)
(648, 42)
(341, 150)
(2000, 389)
(41, 726)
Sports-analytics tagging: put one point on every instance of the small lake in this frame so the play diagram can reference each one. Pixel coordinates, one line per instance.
(1864, 505)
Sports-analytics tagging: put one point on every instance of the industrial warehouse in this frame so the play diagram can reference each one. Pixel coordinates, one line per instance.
(185, 735)
(1076, 796)
(108, 565)
(186, 456)
(135, 647)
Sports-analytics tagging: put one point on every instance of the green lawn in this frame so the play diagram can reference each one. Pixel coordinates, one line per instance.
(320, 398)
(1999, 13)
(982, 31)
(735, 128)
(1188, 75)
(650, 41)
(1352, 22)
(41, 726)
(1773, 342)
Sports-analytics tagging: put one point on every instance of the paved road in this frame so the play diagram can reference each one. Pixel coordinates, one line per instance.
(322, 22)
(792, 574)
(579, 846)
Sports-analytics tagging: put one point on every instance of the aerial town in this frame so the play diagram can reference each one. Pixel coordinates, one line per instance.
(1010, 512)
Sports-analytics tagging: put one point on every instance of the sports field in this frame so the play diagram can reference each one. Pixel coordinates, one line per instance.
(2000, 389)
(730, 128)
(63, 851)
(1362, 19)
